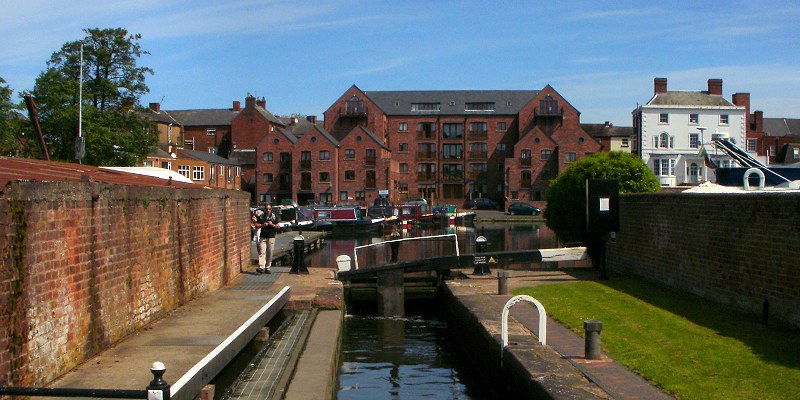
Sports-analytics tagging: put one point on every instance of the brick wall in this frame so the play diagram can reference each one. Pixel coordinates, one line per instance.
(734, 249)
(87, 264)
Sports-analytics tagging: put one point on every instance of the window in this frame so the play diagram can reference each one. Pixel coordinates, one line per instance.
(478, 127)
(694, 140)
(546, 154)
(664, 167)
(403, 167)
(664, 141)
(166, 165)
(325, 198)
(404, 147)
(324, 176)
(625, 142)
(189, 143)
(211, 173)
(694, 171)
(525, 155)
(267, 156)
(425, 107)
(752, 145)
(548, 106)
(349, 154)
(694, 118)
(479, 107)
(267, 178)
(360, 195)
(723, 119)
(354, 106)
(663, 118)
(350, 175)
(452, 130)
(148, 163)
(452, 151)
(211, 132)
(501, 147)
(324, 155)
(343, 195)
(571, 157)
(402, 187)
(403, 127)
(427, 129)
(183, 170)
(501, 126)
(514, 195)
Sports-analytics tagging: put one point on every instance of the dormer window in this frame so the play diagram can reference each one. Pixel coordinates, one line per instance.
(479, 107)
(426, 107)
(548, 106)
(354, 105)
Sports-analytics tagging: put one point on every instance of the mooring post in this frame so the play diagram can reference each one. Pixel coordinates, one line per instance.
(502, 282)
(158, 389)
(299, 262)
(592, 343)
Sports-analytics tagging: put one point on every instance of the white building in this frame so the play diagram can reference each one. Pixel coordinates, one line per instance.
(671, 127)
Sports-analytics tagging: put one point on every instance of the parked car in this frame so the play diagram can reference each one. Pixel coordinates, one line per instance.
(482, 203)
(523, 209)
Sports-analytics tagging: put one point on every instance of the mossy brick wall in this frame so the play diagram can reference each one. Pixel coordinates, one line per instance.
(737, 250)
(87, 264)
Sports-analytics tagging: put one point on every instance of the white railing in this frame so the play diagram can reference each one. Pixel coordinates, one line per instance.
(355, 249)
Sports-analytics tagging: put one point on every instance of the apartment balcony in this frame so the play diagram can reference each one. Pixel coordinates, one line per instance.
(477, 135)
(305, 164)
(286, 165)
(426, 155)
(452, 176)
(370, 184)
(525, 162)
(453, 156)
(477, 175)
(549, 112)
(426, 135)
(426, 176)
(478, 155)
(354, 112)
(370, 161)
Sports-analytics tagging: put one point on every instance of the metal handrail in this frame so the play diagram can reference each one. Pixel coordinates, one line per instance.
(355, 249)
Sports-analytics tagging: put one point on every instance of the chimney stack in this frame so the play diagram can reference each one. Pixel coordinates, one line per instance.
(155, 107)
(262, 102)
(311, 118)
(758, 119)
(715, 87)
(250, 102)
(237, 106)
(659, 85)
(743, 100)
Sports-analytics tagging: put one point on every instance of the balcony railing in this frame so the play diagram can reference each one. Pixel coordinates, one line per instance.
(478, 155)
(305, 164)
(426, 176)
(479, 135)
(286, 165)
(426, 134)
(453, 156)
(370, 161)
(525, 162)
(353, 112)
(426, 155)
(452, 176)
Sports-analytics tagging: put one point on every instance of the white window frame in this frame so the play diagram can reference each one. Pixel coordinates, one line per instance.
(694, 140)
(663, 118)
(198, 173)
(752, 145)
(211, 132)
(724, 119)
(403, 127)
(694, 119)
(625, 142)
(664, 166)
(184, 170)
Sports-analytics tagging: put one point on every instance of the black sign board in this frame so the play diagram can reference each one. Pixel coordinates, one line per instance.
(602, 205)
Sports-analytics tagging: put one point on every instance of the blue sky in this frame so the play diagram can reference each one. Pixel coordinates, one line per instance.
(301, 56)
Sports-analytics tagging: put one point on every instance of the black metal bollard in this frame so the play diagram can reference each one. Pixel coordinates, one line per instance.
(299, 260)
(158, 389)
(394, 246)
(502, 282)
(592, 343)
(481, 263)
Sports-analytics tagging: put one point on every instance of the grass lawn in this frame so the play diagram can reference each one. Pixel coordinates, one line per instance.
(689, 347)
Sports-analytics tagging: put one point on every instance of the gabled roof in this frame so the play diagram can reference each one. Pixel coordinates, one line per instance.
(781, 127)
(288, 134)
(206, 156)
(208, 117)
(324, 134)
(162, 116)
(688, 98)
(607, 130)
(268, 116)
(452, 102)
(365, 131)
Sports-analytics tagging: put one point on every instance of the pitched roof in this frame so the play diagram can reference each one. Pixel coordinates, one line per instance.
(288, 134)
(781, 127)
(607, 130)
(268, 116)
(207, 117)
(206, 156)
(688, 98)
(162, 116)
(324, 134)
(369, 134)
(452, 102)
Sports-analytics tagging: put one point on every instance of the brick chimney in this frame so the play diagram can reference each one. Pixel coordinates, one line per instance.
(250, 102)
(758, 120)
(715, 87)
(659, 85)
(262, 102)
(155, 107)
(237, 106)
(743, 100)
(311, 118)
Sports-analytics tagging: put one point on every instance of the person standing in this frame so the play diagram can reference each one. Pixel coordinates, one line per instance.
(268, 223)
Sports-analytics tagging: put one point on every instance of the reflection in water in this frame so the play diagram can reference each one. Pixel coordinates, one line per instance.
(500, 236)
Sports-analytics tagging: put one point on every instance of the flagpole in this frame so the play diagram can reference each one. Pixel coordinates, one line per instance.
(79, 153)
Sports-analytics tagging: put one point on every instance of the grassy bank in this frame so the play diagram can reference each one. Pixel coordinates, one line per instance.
(690, 347)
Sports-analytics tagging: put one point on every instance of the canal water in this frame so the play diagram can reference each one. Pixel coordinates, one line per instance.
(417, 357)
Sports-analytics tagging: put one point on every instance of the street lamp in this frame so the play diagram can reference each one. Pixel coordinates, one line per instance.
(702, 147)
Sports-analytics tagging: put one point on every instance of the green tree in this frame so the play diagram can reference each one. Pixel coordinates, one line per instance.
(566, 197)
(11, 123)
(113, 84)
